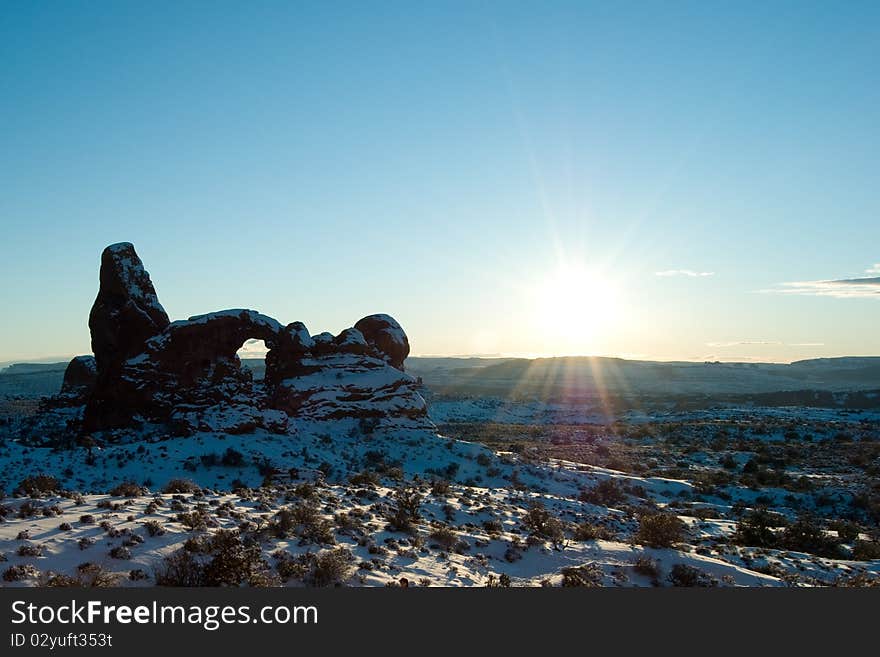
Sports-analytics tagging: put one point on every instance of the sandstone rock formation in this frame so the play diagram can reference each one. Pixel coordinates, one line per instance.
(186, 374)
(79, 378)
(127, 311)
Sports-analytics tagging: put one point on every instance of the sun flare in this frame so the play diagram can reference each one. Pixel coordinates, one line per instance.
(576, 307)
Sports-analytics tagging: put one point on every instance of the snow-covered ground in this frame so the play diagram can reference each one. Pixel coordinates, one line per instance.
(528, 493)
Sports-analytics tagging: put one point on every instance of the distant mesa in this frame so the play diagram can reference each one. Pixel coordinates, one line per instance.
(186, 374)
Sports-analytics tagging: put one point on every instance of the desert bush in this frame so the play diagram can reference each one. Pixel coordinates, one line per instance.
(180, 486)
(755, 529)
(232, 458)
(586, 531)
(303, 520)
(805, 535)
(127, 489)
(502, 581)
(493, 526)
(540, 523)
(38, 486)
(305, 491)
(406, 510)
(120, 552)
(866, 550)
(364, 478)
(154, 528)
(20, 572)
(196, 520)
(682, 574)
(846, 531)
(180, 569)
(589, 575)
(444, 537)
(29, 550)
(440, 487)
(290, 567)
(233, 562)
(660, 530)
(648, 567)
(859, 580)
(330, 567)
(607, 492)
(65, 527)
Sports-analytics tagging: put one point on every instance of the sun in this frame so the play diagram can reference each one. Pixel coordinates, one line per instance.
(575, 307)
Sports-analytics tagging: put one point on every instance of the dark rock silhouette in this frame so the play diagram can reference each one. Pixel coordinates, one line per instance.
(187, 376)
(79, 378)
(127, 311)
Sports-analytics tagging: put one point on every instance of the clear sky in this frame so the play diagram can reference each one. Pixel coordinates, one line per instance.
(665, 180)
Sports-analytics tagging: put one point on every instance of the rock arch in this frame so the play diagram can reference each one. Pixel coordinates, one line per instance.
(182, 372)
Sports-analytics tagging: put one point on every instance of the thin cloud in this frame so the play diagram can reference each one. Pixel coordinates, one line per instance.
(738, 343)
(866, 287)
(683, 272)
(844, 288)
(777, 343)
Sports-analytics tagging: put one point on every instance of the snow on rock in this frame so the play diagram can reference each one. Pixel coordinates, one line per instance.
(186, 375)
(384, 333)
(126, 312)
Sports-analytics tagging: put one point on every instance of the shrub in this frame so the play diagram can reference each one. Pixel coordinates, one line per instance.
(290, 567)
(304, 521)
(589, 575)
(492, 582)
(180, 569)
(331, 567)
(233, 562)
(365, 478)
(866, 550)
(607, 492)
(846, 531)
(127, 489)
(860, 580)
(684, 575)
(648, 567)
(807, 536)
(756, 529)
(38, 486)
(407, 509)
(120, 552)
(587, 531)
(180, 486)
(440, 488)
(444, 537)
(232, 458)
(540, 523)
(20, 572)
(493, 526)
(660, 530)
(28, 550)
(198, 519)
(154, 528)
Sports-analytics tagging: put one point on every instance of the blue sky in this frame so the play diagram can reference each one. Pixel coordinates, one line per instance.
(320, 162)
